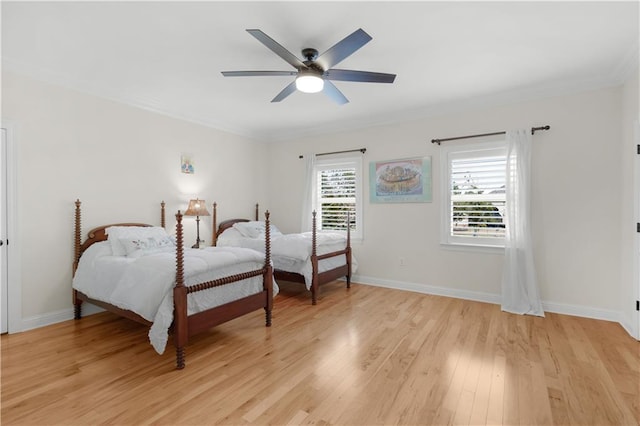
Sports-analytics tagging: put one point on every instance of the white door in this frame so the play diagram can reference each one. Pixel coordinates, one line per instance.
(4, 305)
(637, 212)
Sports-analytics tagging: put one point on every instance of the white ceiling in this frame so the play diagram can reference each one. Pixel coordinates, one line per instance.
(168, 56)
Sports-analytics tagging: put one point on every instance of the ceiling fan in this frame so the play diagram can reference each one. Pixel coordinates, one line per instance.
(315, 73)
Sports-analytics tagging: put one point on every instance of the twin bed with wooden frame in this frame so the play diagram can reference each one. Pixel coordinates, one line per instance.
(324, 268)
(184, 324)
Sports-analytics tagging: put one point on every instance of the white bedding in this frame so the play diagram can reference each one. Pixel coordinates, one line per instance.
(144, 285)
(292, 252)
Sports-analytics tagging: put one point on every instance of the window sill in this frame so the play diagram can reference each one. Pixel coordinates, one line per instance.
(477, 248)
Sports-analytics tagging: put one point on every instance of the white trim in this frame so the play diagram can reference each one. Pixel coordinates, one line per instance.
(428, 289)
(477, 248)
(4, 255)
(628, 327)
(13, 232)
(57, 316)
(627, 65)
(476, 296)
(546, 90)
(141, 102)
(583, 311)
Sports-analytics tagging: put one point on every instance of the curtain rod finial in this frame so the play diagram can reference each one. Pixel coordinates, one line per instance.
(533, 129)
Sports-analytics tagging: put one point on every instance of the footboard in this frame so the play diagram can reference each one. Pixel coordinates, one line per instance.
(318, 277)
(186, 326)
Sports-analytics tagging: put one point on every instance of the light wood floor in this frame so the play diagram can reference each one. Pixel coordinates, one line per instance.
(364, 356)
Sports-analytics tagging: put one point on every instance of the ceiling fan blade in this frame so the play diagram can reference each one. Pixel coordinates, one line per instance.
(285, 92)
(332, 91)
(359, 76)
(275, 47)
(257, 73)
(343, 48)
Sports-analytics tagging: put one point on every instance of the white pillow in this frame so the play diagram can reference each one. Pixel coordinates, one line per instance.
(275, 232)
(255, 229)
(136, 247)
(115, 233)
(249, 229)
(99, 249)
(230, 234)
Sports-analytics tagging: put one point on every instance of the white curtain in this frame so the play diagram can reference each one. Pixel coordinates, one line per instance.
(308, 196)
(520, 294)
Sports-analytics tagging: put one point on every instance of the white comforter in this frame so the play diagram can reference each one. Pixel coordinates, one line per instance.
(145, 285)
(292, 252)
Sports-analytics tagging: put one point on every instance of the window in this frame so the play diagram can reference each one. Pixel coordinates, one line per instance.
(337, 191)
(473, 188)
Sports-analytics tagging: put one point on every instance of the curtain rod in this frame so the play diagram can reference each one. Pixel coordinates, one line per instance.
(362, 150)
(533, 131)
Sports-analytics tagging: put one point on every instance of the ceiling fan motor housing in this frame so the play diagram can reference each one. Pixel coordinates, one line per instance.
(310, 53)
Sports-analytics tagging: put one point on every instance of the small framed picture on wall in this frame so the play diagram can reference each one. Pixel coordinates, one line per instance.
(186, 163)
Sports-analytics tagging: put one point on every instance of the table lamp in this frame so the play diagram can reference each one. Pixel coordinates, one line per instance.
(197, 208)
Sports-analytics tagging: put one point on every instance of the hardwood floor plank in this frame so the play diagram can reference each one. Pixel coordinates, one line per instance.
(362, 356)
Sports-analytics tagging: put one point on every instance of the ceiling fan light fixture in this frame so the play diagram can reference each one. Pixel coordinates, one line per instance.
(309, 83)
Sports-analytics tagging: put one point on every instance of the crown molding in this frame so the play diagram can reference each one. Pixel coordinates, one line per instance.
(147, 104)
(549, 90)
(619, 74)
(628, 65)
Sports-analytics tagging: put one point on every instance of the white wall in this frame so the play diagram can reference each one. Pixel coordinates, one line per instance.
(121, 162)
(576, 203)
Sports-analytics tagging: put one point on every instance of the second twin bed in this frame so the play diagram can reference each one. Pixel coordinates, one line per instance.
(312, 258)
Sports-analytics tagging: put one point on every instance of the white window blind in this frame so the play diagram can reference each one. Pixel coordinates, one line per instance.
(336, 197)
(475, 196)
(338, 193)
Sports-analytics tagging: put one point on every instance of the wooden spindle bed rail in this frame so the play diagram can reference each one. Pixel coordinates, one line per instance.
(223, 281)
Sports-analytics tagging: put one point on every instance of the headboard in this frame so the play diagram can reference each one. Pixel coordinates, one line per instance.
(224, 225)
(99, 233)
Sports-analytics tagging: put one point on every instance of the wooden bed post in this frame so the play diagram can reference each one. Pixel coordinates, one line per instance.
(348, 252)
(77, 239)
(163, 222)
(314, 261)
(180, 329)
(268, 269)
(257, 210)
(214, 232)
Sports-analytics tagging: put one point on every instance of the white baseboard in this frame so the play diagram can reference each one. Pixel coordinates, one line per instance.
(629, 328)
(582, 311)
(428, 289)
(558, 308)
(55, 317)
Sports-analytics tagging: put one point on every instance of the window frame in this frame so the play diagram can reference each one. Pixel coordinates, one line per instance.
(354, 162)
(458, 151)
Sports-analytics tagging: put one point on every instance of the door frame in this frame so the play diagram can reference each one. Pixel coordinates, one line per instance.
(14, 288)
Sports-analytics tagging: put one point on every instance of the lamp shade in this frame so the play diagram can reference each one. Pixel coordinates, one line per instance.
(197, 207)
